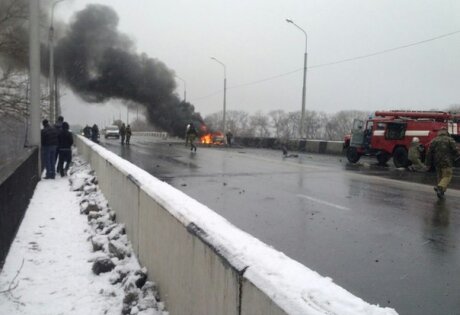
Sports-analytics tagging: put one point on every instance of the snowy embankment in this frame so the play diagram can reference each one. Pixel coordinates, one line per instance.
(63, 262)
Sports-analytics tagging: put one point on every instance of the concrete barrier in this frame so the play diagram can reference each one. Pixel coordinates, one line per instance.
(310, 146)
(18, 179)
(158, 134)
(201, 262)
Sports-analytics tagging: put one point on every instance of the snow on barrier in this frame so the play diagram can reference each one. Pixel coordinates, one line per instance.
(201, 262)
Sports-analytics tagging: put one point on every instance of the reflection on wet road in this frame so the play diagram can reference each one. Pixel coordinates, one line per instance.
(385, 238)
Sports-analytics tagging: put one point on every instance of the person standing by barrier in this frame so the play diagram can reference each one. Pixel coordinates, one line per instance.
(65, 149)
(87, 131)
(415, 154)
(122, 133)
(128, 134)
(95, 133)
(229, 136)
(442, 153)
(191, 135)
(49, 142)
(58, 126)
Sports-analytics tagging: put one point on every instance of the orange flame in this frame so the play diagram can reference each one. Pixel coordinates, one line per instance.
(206, 139)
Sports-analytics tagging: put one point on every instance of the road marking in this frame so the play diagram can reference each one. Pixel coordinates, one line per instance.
(323, 202)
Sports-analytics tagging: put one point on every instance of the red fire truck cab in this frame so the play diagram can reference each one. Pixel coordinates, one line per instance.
(389, 134)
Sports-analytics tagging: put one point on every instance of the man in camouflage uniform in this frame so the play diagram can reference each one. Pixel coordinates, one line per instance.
(442, 153)
(415, 156)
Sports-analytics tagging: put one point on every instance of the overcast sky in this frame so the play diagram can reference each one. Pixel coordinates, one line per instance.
(255, 43)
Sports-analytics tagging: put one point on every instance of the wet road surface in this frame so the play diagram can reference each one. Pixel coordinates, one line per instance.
(379, 232)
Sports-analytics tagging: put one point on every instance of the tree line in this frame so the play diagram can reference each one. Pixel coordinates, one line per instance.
(285, 125)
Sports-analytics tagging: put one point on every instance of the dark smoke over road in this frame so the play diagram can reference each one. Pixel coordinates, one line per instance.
(98, 63)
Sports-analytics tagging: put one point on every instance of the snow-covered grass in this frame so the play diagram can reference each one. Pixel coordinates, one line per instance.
(52, 264)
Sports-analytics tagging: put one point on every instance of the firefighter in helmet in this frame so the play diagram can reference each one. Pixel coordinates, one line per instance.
(442, 153)
(415, 156)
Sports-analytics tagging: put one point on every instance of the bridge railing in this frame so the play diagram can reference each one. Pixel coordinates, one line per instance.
(158, 134)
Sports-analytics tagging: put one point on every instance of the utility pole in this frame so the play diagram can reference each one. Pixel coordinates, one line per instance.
(302, 132)
(53, 105)
(225, 95)
(34, 74)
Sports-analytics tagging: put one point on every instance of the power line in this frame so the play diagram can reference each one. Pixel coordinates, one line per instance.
(381, 52)
(385, 50)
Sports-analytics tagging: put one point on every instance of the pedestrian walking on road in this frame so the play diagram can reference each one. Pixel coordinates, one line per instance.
(49, 142)
(442, 153)
(415, 156)
(122, 133)
(65, 149)
(191, 136)
(186, 134)
(128, 134)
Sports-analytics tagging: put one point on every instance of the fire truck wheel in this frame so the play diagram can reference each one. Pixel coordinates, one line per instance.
(352, 155)
(383, 158)
(400, 157)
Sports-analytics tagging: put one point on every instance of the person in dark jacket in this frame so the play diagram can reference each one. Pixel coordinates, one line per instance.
(122, 133)
(442, 153)
(65, 149)
(50, 142)
(58, 126)
(95, 133)
(59, 122)
(87, 131)
(128, 134)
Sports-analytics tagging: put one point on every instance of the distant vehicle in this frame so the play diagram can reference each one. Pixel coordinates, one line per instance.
(389, 134)
(112, 131)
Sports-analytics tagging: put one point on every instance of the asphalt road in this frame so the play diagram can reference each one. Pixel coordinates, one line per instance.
(379, 232)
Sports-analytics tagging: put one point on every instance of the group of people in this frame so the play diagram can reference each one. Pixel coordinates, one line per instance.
(56, 143)
(92, 133)
(125, 133)
(442, 154)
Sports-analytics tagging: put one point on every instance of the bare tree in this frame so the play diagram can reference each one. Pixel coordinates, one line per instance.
(259, 124)
(236, 122)
(340, 123)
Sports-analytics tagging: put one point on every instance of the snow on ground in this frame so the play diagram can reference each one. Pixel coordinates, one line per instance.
(50, 268)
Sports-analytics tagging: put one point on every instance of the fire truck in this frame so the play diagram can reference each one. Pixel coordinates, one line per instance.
(388, 134)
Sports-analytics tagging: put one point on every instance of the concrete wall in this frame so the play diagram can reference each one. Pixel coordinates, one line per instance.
(202, 263)
(311, 146)
(18, 180)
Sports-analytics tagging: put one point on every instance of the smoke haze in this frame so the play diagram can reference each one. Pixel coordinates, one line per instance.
(98, 63)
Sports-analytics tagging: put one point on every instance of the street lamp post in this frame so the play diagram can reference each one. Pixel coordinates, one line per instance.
(51, 74)
(185, 88)
(225, 93)
(304, 89)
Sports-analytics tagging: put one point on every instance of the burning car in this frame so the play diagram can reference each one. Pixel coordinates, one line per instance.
(212, 138)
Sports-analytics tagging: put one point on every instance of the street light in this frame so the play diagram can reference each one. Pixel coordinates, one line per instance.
(51, 74)
(302, 117)
(225, 92)
(185, 87)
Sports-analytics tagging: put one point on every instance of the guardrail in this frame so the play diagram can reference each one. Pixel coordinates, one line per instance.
(158, 134)
(311, 146)
(201, 262)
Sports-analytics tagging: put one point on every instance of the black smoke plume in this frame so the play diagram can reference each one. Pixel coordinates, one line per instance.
(99, 63)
